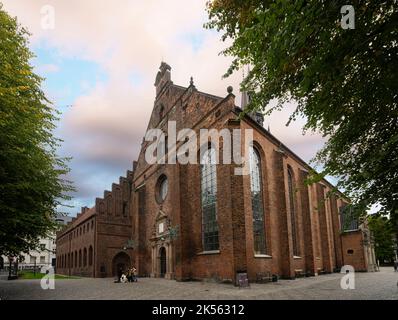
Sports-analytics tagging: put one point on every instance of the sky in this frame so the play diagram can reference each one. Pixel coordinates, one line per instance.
(99, 59)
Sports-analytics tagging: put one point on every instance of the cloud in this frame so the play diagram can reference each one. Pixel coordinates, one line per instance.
(47, 68)
(103, 129)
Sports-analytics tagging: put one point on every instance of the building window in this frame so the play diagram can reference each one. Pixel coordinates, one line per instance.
(293, 215)
(42, 259)
(162, 188)
(350, 251)
(32, 259)
(348, 220)
(75, 259)
(85, 257)
(92, 224)
(209, 200)
(90, 256)
(80, 258)
(257, 202)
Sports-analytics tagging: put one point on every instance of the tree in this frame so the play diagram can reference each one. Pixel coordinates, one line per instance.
(343, 80)
(31, 186)
(383, 234)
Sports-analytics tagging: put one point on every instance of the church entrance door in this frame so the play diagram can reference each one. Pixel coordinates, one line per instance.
(163, 261)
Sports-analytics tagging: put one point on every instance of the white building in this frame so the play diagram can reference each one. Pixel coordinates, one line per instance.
(44, 255)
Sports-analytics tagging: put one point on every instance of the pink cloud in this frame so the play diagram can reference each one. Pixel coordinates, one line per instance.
(107, 123)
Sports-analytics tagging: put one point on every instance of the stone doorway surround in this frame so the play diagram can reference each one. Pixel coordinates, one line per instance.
(161, 240)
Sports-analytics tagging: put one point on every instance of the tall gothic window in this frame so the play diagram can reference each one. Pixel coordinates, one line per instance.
(209, 200)
(293, 215)
(256, 188)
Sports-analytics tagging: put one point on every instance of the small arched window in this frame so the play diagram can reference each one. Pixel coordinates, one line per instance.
(209, 200)
(85, 257)
(293, 214)
(256, 188)
(90, 256)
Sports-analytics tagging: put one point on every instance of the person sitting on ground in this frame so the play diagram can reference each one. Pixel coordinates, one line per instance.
(134, 274)
(123, 278)
(130, 275)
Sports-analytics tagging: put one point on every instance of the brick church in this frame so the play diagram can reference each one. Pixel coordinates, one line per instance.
(198, 221)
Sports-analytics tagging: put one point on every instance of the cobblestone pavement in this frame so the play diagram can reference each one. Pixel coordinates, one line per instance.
(378, 285)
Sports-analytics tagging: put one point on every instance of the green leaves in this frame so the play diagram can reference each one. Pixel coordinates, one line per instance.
(382, 230)
(345, 81)
(31, 187)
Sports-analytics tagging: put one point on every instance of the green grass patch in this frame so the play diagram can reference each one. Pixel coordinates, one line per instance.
(28, 275)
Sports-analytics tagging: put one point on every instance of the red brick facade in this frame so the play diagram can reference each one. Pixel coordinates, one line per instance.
(96, 242)
(167, 234)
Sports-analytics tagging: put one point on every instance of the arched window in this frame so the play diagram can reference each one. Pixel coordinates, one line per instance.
(75, 259)
(80, 258)
(293, 215)
(209, 200)
(85, 257)
(256, 188)
(90, 256)
(162, 187)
